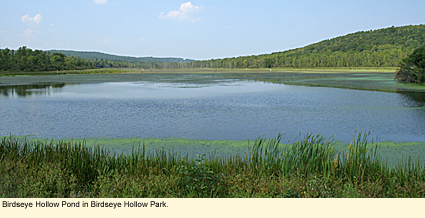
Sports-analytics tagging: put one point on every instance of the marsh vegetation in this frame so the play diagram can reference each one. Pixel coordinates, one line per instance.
(310, 167)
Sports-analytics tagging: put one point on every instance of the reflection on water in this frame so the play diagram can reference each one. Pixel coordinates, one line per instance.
(136, 90)
(223, 110)
(29, 90)
(411, 99)
(414, 99)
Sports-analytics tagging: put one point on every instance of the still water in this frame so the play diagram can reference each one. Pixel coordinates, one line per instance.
(223, 110)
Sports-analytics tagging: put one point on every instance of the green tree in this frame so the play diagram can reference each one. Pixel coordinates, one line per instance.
(5, 61)
(412, 68)
(58, 61)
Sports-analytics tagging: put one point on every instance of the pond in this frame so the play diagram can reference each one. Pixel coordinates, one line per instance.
(224, 109)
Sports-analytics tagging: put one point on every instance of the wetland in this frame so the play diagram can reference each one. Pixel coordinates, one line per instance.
(159, 125)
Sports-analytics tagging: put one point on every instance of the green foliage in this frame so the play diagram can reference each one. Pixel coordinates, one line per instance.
(122, 184)
(101, 60)
(377, 48)
(412, 68)
(267, 63)
(311, 155)
(198, 180)
(308, 168)
(292, 194)
(19, 180)
(27, 60)
(116, 58)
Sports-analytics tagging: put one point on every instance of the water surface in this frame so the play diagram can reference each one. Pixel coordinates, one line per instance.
(224, 109)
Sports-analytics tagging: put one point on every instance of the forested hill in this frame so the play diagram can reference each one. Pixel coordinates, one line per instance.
(27, 60)
(109, 57)
(374, 48)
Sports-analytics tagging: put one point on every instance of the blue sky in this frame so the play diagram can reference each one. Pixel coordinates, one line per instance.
(195, 29)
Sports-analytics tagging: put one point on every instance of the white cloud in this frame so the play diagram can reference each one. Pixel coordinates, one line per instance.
(187, 11)
(27, 19)
(100, 2)
(28, 32)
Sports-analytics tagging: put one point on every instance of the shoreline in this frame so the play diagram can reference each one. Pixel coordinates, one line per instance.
(206, 70)
(393, 153)
(371, 79)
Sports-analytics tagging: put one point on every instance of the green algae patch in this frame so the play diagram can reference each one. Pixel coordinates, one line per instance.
(393, 153)
(362, 79)
(396, 153)
(190, 147)
(196, 146)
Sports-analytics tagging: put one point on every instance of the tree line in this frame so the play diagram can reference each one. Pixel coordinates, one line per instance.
(92, 55)
(375, 48)
(27, 60)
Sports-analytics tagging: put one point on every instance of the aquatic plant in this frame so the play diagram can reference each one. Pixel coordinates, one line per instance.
(310, 167)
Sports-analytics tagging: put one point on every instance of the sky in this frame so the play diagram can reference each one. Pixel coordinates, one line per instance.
(196, 29)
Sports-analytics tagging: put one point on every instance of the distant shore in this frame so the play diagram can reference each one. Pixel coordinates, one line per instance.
(373, 79)
(211, 70)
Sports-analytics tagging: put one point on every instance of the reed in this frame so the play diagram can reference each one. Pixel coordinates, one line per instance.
(310, 167)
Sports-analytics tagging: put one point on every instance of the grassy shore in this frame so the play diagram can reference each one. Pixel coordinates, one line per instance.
(391, 153)
(308, 168)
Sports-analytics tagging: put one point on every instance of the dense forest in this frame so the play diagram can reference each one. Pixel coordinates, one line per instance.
(102, 60)
(374, 48)
(92, 55)
(27, 60)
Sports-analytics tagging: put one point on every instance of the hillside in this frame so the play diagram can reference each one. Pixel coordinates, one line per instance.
(27, 60)
(109, 57)
(374, 48)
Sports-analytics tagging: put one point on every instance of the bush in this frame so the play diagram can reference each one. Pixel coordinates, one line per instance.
(412, 68)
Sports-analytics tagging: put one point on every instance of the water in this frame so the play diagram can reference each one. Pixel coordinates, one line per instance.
(222, 110)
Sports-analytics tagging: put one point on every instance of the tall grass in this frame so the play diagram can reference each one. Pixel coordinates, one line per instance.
(310, 167)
